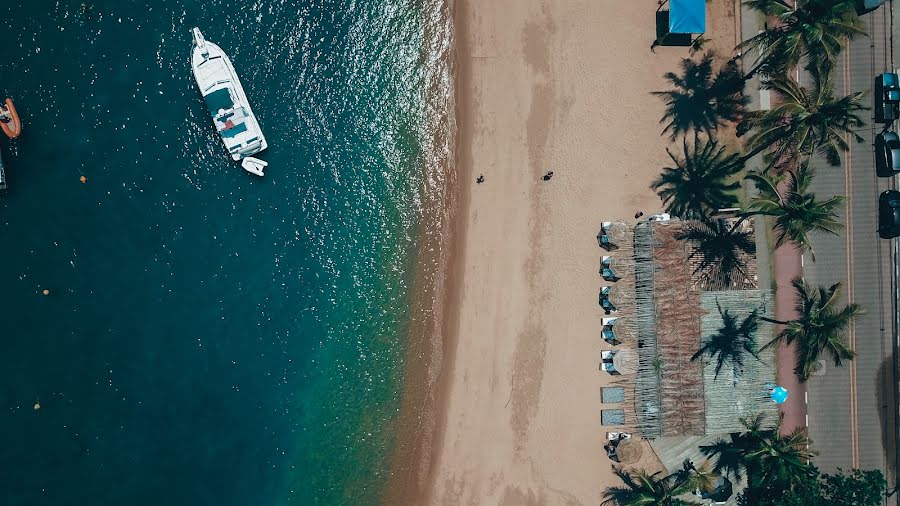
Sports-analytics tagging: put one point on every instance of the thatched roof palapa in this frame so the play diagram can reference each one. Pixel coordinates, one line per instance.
(629, 451)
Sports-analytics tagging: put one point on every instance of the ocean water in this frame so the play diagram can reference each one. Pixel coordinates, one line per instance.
(211, 337)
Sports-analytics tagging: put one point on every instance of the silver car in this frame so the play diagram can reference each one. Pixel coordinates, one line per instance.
(887, 154)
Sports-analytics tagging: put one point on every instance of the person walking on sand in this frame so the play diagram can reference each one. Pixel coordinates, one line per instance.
(638, 214)
(547, 176)
(479, 179)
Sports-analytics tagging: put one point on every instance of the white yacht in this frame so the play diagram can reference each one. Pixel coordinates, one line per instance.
(228, 104)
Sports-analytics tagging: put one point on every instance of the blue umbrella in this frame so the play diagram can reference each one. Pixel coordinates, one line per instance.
(779, 395)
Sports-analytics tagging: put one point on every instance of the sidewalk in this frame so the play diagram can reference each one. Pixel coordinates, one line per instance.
(787, 267)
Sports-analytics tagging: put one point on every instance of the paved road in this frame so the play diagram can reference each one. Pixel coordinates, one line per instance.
(852, 411)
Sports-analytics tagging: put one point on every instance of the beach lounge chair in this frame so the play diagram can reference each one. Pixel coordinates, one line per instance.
(606, 269)
(612, 417)
(603, 238)
(604, 301)
(606, 363)
(609, 332)
(612, 395)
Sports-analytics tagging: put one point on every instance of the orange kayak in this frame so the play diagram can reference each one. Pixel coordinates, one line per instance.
(13, 128)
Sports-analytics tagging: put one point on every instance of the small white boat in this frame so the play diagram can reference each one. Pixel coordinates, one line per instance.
(228, 104)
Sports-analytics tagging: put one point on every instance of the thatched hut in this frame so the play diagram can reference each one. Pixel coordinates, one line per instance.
(672, 395)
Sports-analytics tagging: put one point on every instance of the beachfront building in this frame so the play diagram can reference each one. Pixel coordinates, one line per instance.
(668, 310)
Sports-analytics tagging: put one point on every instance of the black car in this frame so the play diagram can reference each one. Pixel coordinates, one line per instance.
(887, 154)
(889, 214)
(887, 98)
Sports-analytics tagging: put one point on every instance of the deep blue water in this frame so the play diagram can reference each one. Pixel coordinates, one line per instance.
(211, 337)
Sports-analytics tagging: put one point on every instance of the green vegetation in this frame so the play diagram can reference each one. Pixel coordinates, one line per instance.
(766, 458)
(777, 469)
(820, 328)
(795, 210)
(859, 488)
(641, 488)
(813, 31)
(802, 122)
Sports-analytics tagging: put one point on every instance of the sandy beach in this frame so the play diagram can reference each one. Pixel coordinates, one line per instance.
(544, 85)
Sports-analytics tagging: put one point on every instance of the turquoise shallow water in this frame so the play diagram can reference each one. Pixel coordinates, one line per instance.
(212, 338)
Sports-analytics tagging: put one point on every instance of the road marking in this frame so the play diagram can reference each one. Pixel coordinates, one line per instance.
(848, 188)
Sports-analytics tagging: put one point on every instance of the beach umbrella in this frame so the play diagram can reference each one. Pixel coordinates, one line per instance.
(779, 395)
(625, 362)
(628, 451)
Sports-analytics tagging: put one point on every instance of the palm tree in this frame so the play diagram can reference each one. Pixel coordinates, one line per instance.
(796, 211)
(729, 455)
(703, 475)
(729, 344)
(780, 461)
(819, 329)
(642, 489)
(767, 457)
(722, 250)
(814, 30)
(804, 121)
(698, 183)
(700, 101)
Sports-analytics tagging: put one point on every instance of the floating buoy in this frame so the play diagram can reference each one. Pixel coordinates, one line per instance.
(37, 406)
(83, 179)
(46, 292)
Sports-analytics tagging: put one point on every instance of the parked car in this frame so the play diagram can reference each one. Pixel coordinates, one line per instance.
(889, 214)
(887, 98)
(865, 6)
(887, 154)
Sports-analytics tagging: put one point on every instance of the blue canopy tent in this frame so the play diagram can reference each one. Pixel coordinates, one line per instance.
(687, 16)
(678, 25)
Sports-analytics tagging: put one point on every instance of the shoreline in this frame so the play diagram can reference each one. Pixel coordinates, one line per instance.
(452, 295)
(420, 421)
